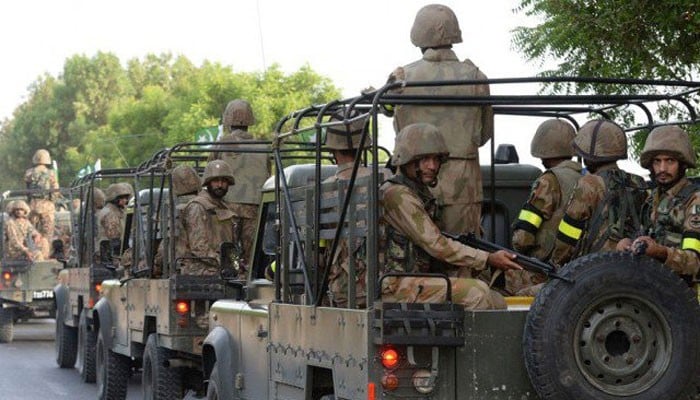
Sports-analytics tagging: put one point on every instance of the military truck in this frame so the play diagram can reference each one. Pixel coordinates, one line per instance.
(613, 325)
(155, 317)
(80, 282)
(26, 286)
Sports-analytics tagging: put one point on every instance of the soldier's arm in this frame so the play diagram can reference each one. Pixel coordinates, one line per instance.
(539, 207)
(572, 228)
(685, 259)
(405, 212)
(15, 239)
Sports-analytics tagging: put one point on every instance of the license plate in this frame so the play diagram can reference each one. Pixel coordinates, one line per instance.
(42, 294)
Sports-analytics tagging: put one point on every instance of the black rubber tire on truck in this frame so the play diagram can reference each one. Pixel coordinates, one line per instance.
(626, 328)
(87, 339)
(66, 345)
(7, 328)
(112, 371)
(160, 382)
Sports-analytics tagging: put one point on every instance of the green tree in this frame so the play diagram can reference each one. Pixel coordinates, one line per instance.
(649, 39)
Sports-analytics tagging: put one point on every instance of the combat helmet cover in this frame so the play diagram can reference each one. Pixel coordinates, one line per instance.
(116, 190)
(668, 139)
(218, 169)
(185, 180)
(238, 113)
(553, 140)
(346, 136)
(18, 205)
(435, 25)
(416, 141)
(41, 156)
(601, 140)
(98, 198)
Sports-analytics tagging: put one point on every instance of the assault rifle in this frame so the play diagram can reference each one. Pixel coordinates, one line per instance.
(528, 263)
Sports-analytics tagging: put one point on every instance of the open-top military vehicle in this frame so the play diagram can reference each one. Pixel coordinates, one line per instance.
(26, 285)
(155, 316)
(80, 281)
(616, 326)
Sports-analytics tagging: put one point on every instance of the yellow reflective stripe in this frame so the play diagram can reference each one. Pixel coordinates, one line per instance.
(530, 217)
(690, 244)
(570, 230)
(323, 243)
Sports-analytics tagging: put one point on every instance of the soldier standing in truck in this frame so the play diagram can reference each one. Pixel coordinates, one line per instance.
(42, 181)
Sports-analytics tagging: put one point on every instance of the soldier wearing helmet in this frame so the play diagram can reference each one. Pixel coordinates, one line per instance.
(252, 169)
(414, 241)
(209, 220)
(111, 219)
(535, 228)
(459, 190)
(41, 180)
(20, 236)
(671, 214)
(605, 204)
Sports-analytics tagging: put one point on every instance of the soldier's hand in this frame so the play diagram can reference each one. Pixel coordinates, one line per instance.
(624, 245)
(503, 260)
(653, 249)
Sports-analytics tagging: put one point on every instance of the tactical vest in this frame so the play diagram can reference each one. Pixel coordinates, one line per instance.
(567, 174)
(618, 215)
(39, 179)
(668, 227)
(225, 225)
(402, 254)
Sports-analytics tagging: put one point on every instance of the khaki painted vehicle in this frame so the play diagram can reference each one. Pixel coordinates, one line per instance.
(154, 318)
(612, 326)
(80, 282)
(26, 286)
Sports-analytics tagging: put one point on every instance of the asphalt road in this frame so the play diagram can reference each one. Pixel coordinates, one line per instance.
(28, 368)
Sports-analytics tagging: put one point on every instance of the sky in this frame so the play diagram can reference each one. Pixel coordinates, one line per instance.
(354, 43)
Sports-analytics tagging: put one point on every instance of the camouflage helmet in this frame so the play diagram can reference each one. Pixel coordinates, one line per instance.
(98, 198)
(601, 140)
(185, 180)
(117, 190)
(218, 169)
(41, 156)
(418, 140)
(668, 139)
(553, 140)
(435, 25)
(18, 205)
(238, 113)
(346, 136)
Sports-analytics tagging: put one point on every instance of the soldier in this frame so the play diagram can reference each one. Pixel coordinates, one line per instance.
(42, 180)
(605, 204)
(186, 185)
(535, 229)
(343, 141)
(672, 210)
(112, 218)
(459, 190)
(413, 238)
(252, 169)
(20, 235)
(208, 221)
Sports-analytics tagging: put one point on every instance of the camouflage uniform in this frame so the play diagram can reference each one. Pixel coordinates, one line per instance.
(110, 223)
(674, 222)
(19, 234)
(207, 222)
(535, 229)
(459, 191)
(605, 206)
(413, 239)
(41, 177)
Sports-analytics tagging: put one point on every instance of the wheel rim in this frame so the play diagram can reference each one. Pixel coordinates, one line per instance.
(623, 345)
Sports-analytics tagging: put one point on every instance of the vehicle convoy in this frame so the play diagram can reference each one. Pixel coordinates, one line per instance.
(80, 281)
(611, 326)
(26, 285)
(154, 317)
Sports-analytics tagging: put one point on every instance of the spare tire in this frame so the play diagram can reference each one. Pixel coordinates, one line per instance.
(625, 328)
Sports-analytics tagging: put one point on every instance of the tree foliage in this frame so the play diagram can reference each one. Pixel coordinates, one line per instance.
(98, 109)
(646, 39)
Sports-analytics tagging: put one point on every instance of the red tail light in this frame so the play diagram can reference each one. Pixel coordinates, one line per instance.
(98, 288)
(182, 307)
(6, 275)
(390, 358)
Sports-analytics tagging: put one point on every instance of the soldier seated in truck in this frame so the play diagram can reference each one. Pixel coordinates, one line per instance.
(413, 239)
(20, 235)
